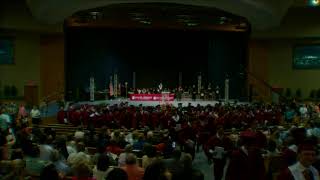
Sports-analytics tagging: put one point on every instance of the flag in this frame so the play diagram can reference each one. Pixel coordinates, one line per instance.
(110, 87)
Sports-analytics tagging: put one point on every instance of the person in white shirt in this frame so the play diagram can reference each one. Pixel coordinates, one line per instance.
(35, 115)
(303, 112)
(5, 120)
(302, 169)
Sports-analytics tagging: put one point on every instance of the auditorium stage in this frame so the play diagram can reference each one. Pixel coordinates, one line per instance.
(155, 103)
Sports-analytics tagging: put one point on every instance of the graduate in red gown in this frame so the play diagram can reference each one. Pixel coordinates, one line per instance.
(84, 115)
(219, 140)
(61, 116)
(246, 163)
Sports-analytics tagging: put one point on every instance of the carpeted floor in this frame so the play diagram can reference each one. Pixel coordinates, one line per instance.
(201, 162)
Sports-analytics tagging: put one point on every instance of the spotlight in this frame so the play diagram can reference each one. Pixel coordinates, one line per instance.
(314, 2)
(95, 15)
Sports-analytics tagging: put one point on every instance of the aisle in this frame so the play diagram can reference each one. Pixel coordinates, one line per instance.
(200, 162)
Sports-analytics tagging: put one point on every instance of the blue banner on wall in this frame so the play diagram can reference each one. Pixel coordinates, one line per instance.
(306, 57)
(6, 51)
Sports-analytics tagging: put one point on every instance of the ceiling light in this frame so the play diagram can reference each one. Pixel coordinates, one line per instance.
(145, 22)
(192, 24)
(95, 14)
(223, 18)
(314, 2)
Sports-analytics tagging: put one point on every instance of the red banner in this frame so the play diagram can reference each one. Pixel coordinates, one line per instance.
(151, 97)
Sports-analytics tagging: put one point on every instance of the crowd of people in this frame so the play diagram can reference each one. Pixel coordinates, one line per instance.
(146, 142)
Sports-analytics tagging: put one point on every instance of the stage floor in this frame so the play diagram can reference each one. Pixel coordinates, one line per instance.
(155, 103)
(53, 108)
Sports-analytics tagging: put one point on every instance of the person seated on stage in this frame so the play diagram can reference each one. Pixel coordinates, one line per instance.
(202, 93)
(303, 168)
(217, 93)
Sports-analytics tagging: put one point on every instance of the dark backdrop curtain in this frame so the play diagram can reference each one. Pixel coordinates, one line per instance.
(155, 55)
(227, 55)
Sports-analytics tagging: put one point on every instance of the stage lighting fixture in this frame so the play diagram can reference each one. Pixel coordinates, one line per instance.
(314, 2)
(95, 15)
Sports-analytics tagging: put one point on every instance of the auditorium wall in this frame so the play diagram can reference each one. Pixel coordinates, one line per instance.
(281, 72)
(271, 61)
(38, 60)
(258, 70)
(38, 50)
(26, 67)
(52, 65)
(272, 51)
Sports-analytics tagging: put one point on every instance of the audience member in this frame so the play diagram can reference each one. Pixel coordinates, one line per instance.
(117, 174)
(132, 169)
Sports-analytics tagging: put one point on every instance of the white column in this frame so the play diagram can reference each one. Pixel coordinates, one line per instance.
(226, 90)
(115, 85)
(91, 89)
(199, 83)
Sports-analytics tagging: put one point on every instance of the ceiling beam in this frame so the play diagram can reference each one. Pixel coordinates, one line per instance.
(262, 14)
